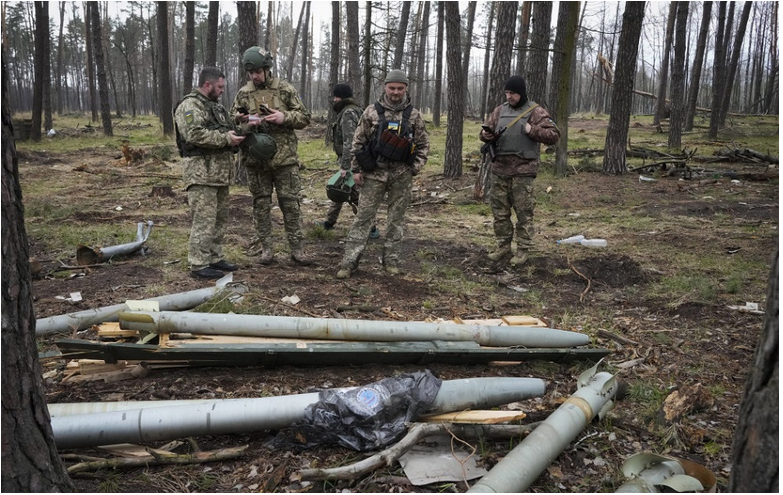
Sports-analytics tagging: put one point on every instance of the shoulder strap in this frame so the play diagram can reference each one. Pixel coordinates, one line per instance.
(526, 112)
(381, 111)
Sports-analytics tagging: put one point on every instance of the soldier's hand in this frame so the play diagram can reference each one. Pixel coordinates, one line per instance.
(235, 140)
(489, 136)
(343, 172)
(527, 127)
(358, 178)
(276, 117)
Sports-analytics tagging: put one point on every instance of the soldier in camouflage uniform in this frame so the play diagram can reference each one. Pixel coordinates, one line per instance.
(205, 137)
(271, 105)
(344, 127)
(515, 167)
(388, 173)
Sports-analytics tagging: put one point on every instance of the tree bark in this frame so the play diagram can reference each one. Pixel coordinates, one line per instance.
(539, 53)
(493, 6)
(29, 456)
(190, 46)
(755, 450)
(88, 35)
(352, 33)
(402, 32)
(452, 162)
(563, 98)
(164, 88)
(718, 72)
(471, 18)
(677, 116)
(248, 27)
(334, 67)
(438, 67)
(698, 62)
(39, 66)
(210, 51)
(622, 95)
(60, 76)
(660, 106)
(524, 32)
(290, 71)
(47, 74)
(367, 54)
(732, 68)
(418, 94)
(100, 66)
(303, 92)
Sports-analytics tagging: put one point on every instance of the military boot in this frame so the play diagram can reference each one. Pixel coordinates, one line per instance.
(267, 255)
(299, 257)
(520, 258)
(501, 252)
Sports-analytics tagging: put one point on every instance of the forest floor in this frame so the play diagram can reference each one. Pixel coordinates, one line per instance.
(679, 253)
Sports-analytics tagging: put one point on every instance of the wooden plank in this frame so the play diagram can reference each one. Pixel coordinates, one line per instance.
(475, 417)
(126, 450)
(91, 366)
(523, 320)
(112, 329)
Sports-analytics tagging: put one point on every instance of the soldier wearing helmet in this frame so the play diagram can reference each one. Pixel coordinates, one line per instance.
(269, 109)
(205, 138)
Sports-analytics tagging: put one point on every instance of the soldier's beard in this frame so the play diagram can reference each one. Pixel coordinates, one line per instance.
(213, 94)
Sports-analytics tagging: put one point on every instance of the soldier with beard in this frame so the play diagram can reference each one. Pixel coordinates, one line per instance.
(519, 126)
(271, 107)
(390, 146)
(205, 137)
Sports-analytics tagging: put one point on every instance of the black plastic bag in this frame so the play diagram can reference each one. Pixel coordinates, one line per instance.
(367, 417)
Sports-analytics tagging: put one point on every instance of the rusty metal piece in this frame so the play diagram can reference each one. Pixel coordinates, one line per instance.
(89, 256)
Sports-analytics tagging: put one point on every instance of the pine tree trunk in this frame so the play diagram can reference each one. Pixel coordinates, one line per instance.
(418, 95)
(468, 41)
(698, 62)
(677, 117)
(352, 32)
(60, 68)
(210, 51)
(452, 162)
(718, 72)
(190, 47)
(524, 31)
(41, 24)
(438, 67)
(304, 94)
(539, 53)
(164, 88)
(488, 43)
(660, 107)
(563, 97)
(622, 95)
(30, 462)
(755, 450)
(88, 43)
(402, 31)
(103, 87)
(334, 69)
(367, 54)
(732, 68)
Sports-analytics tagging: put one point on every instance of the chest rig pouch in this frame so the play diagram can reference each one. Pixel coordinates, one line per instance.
(394, 140)
(218, 120)
(268, 98)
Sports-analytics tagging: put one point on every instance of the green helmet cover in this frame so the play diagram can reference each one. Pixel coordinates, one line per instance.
(260, 146)
(256, 58)
(338, 188)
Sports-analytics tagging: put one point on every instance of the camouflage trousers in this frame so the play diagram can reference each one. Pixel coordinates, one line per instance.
(286, 184)
(335, 208)
(209, 211)
(513, 193)
(373, 191)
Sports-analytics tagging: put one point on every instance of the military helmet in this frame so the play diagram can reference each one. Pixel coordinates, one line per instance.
(338, 188)
(260, 146)
(256, 58)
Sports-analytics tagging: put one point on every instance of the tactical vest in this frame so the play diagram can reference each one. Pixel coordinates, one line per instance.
(514, 141)
(394, 139)
(268, 96)
(218, 120)
(337, 129)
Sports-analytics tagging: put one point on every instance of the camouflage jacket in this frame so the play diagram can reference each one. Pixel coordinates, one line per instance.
(278, 95)
(542, 130)
(366, 131)
(344, 127)
(204, 124)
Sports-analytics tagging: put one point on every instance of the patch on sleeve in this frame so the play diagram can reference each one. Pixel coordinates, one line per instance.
(189, 117)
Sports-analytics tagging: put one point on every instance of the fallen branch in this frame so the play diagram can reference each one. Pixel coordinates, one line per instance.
(159, 457)
(417, 431)
(616, 338)
(582, 295)
(290, 306)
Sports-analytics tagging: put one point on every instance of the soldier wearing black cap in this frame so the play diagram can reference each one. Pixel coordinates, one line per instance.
(519, 125)
(343, 128)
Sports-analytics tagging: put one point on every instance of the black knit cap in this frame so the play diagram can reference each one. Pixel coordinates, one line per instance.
(342, 91)
(518, 86)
